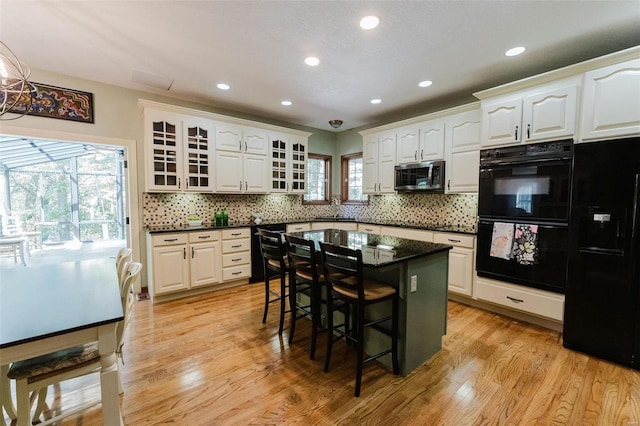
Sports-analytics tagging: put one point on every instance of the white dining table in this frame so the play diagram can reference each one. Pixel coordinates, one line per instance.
(52, 307)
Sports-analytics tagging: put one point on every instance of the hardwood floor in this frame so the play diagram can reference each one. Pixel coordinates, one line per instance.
(209, 360)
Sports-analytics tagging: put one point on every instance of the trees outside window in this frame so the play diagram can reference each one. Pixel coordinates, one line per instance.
(318, 179)
(351, 178)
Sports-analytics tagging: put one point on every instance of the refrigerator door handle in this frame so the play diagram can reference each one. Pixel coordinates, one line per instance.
(636, 201)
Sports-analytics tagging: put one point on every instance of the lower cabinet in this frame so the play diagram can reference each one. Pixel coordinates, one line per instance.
(530, 300)
(299, 227)
(344, 225)
(236, 254)
(184, 261)
(461, 261)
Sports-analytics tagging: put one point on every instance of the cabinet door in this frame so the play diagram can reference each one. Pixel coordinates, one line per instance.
(461, 270)
(228, 137)
(463, 131)
(255, 173)
(298, 165)
(279, 159)
(370, 177)
(551, 114)
(164, 152)
(170, 269)
(408, 144)
(386, 162)
(199, 155)
(256, 141)
(370, 149)
(462, 171)
(229, 176)
(611, 101)
(501, 123)
(205, 264)
(431, 141)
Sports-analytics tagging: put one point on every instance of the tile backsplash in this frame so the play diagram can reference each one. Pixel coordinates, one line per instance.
(421, 209)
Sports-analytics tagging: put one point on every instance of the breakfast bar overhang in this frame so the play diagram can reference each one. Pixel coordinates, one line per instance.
(420, 271)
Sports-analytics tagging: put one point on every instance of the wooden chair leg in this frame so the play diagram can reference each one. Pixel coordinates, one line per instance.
(359, 346)
(283, 302)
(266, 297)
(394, 334)
(292, 306)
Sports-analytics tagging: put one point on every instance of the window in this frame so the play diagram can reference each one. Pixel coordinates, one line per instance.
(318, 179)
(351, 179)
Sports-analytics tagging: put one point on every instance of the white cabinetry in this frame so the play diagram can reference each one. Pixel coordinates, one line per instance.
(541, 113)
(288, 164)
(181, 261)
(462, 151)
(368, 229)
(241, 159)
(343, 225)
(539, 302)
(179, 152)
(298, 227)
(408, 233)
(422, 142)
(461, 261)
(236, 254)
(611, 102)
(379, 160)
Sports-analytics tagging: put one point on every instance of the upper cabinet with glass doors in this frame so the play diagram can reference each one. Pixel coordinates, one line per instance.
(179, 152)
(288, 164)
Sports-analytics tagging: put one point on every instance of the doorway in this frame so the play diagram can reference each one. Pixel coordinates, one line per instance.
(68, 198)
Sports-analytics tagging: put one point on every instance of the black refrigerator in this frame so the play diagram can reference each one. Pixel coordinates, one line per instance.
(602, 305)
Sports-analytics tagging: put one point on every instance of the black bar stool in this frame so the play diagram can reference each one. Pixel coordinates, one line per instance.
(343, 272)
(308, 279)
(274, 256)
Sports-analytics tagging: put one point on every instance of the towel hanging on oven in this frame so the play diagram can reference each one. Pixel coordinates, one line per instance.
(502, 240)
(525, 244)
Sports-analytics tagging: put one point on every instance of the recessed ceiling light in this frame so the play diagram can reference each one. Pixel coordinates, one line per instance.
(312, 61)
(223, 86)
(369, 22)
(515, 51)
(286, 103)
(376, 101)
(425, 83)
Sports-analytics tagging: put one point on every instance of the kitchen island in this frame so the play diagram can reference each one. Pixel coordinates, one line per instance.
(420, 272)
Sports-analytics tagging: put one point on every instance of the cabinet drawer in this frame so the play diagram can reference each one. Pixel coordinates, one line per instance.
(236, 272)
(298, 227)
(538, 302)
(229, 234)
(457, 240)
(168, 239)
(408, 233)
(233, 259)
(232, 246)
(369, 229)
(203, 236)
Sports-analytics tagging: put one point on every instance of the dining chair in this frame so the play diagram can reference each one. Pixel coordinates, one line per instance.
(123, 258)
(343, 271)
(276, 264)
(306, 279)
(33, 376)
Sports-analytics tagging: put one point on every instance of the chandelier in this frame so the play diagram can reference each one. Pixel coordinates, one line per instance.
(16, 94)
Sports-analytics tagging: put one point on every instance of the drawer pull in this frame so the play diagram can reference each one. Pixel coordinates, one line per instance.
(238, 246)
(452, 240)
(236, 260)
(236, 273)
(204, 237)
(236, 234)
(368, 229)
(170, 240)
(514, 300)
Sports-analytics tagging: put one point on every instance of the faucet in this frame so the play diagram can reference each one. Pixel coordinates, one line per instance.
(336, 202)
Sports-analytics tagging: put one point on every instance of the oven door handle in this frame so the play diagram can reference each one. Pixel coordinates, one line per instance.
(564, 159)
(524, 221)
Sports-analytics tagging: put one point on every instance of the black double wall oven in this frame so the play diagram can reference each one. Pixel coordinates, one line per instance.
(523, 212)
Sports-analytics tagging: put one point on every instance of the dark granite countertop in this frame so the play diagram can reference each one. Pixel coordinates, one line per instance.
(377, 250)
(243, 224)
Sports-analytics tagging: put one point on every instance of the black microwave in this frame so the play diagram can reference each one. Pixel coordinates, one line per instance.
(420, 177)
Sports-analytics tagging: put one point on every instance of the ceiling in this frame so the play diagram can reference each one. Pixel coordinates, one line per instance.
(258, 48)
